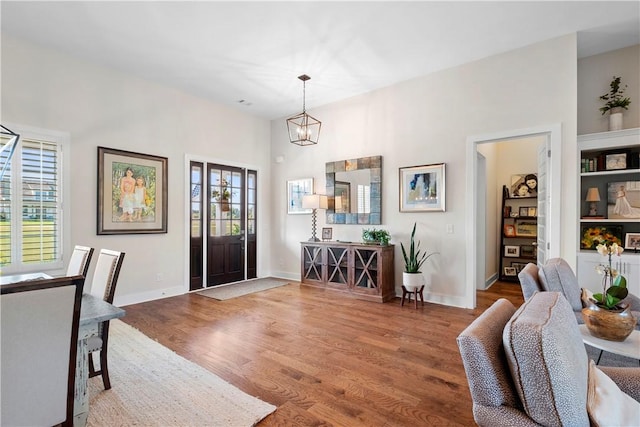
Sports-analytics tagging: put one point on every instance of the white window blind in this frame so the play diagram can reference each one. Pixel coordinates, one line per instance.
(31, 207)
(364, 199)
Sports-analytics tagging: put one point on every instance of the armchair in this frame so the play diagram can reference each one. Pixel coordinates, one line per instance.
(556, 275)
(529, 367)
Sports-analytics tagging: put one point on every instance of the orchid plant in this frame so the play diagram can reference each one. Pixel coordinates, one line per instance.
(614, 285)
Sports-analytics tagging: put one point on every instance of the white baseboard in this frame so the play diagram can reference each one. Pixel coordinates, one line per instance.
(148, 296)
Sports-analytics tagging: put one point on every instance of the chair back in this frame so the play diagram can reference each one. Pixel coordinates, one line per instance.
(556, 275)
(79, 262)
(485, 362)
(529, 281)
(39, 341)
(105, 276)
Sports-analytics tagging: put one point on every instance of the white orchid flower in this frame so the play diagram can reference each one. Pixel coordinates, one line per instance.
(600, 269)
(603, 250)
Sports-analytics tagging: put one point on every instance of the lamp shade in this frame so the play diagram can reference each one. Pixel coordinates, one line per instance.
(314, 201)
(593, 195)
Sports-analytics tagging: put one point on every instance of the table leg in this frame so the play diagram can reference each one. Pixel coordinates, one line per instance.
(599, 357)
(81, 395)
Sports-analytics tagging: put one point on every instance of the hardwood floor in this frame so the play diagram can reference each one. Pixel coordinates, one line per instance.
(327, 360)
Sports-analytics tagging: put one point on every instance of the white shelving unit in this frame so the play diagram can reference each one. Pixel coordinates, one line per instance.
(592, 146)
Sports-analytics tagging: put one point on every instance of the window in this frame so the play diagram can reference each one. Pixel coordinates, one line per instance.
(31, 199)
(364, 199)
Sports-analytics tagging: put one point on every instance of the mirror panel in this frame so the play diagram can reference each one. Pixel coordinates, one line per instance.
(354, 191)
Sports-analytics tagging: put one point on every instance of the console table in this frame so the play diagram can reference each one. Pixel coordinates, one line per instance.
(360, 270)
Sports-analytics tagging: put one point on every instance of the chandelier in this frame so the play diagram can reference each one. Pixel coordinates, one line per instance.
(303, 129)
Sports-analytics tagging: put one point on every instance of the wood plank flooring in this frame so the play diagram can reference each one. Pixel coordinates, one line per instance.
(327, 360)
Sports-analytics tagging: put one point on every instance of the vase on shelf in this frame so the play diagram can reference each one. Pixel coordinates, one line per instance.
(612, 325)
(615, 119)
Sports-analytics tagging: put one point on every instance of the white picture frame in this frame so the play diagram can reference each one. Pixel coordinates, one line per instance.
(296, 189)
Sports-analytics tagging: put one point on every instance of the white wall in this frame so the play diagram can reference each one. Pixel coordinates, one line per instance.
(427, 120)
(102, 107)
(594, 76)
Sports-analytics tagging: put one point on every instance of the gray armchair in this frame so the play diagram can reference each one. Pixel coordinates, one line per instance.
(529, 367)
(556, 275)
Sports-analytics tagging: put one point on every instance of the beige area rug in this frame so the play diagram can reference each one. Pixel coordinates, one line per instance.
(234, 290)
(153, 386)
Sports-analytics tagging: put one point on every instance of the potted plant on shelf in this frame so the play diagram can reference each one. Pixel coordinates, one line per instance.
(615, 102)
(605, 315)
(375, 237)
(412, 277)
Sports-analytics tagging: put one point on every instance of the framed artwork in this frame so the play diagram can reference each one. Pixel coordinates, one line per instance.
(510, 271)
(342, 197)
(518, 266)
(512, 251)
(509, 230)
(523, 185)
(533, 211)
(295, 190)
(526, 229)
(615, 161)
(132, 192)
(623, 200)
(327, 233)
(422, 188)
(527, 251)
(592, 236)
(523, 211)
(632, 241)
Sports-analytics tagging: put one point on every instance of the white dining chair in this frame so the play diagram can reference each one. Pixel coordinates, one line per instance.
(103, 285)
(39, 340)
(79, 262)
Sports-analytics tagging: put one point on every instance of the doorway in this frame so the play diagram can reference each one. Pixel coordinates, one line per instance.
(550, 203)
(223, 230)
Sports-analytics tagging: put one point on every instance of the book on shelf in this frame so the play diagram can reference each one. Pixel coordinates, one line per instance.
(593, 217)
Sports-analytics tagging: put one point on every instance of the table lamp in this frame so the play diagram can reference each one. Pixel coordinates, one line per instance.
(314, 202)
(593, 196)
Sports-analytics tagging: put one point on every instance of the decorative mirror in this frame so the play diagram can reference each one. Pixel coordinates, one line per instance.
(354, 191)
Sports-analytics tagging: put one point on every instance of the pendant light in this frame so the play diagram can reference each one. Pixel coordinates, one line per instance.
(303, 129)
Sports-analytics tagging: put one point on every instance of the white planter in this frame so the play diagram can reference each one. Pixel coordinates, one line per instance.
(615, 120)
(412, 281)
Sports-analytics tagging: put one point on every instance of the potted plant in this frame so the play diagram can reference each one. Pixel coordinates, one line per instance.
(615, 102)
(376, 237)
(222, 196)
(604, 314)
(412, 277)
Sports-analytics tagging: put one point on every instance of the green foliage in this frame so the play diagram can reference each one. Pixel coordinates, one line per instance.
(615, 97)
(415, 258)
(374, 235)
(614, 293)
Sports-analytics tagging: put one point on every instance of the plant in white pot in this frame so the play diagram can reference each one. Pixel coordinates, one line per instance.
(412, 277)
(615, 102)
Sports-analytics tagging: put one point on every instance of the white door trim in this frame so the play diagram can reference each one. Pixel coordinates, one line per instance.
(554, 133)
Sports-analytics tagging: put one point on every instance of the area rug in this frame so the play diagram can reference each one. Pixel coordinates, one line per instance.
(246, 287)
(610, 359)
(153, 386)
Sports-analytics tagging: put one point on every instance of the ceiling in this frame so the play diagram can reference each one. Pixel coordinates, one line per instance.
(248, 55)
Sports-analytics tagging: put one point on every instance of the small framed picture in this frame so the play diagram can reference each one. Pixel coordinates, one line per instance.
(533, 211)
(327, 233)
(616, 161)
(518, 266)
(296, 189)
(524, 211)
(528, 251)
(510, 271)
(632, 241)
(507, 211)
(509, 230)
(526, 229)
(512, 251)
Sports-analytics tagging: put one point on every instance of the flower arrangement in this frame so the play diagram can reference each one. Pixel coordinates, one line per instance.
(614, 285)
(615, 97)
(594, 236)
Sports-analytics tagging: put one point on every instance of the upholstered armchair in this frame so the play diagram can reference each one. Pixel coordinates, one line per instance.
(556, 275)
(529, 367)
